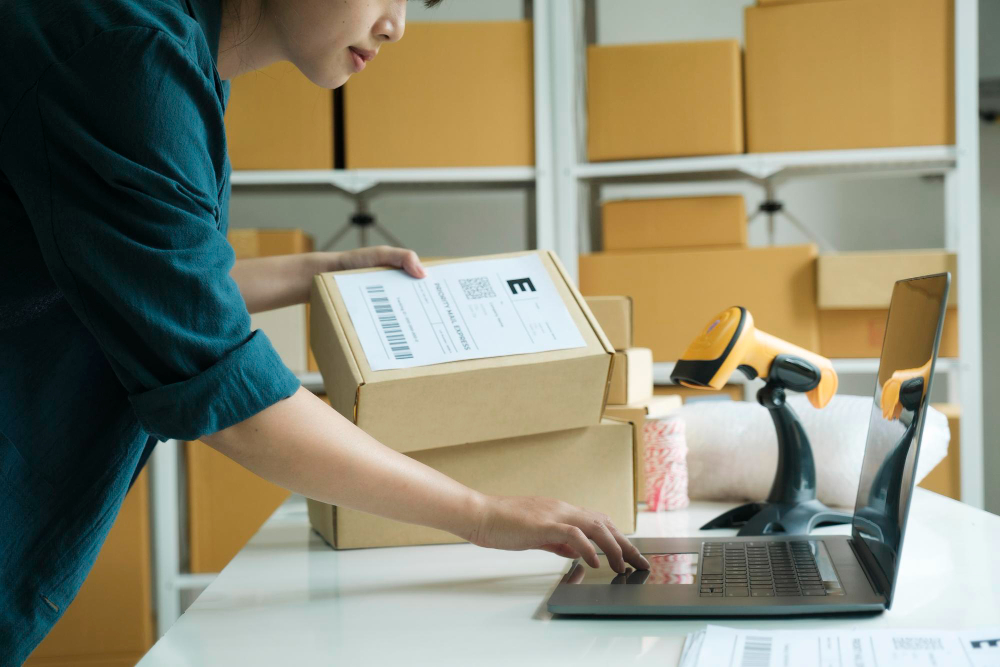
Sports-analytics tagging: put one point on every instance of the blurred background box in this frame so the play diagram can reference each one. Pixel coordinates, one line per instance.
(858, 334)
(946, 477)
(590, 467)
(111, 620)
(458, 94)
(865, 279)
(676, 292)
(846, 74)
(664, 100)
(278, 119)
(674, 222)
(729, 392)
(614, 314)
(853, 292)
(631, 376)
(226, 505)
(637, 414)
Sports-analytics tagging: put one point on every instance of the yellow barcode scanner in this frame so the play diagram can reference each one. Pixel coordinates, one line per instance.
(904, 389)
(731, 342)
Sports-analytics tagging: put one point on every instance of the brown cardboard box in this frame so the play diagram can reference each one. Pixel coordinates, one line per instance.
(631, 376)
(226, 505)
(864, 280)
(849, 74)
(278, 119)
(733, 392)
(614, 314)
(858, 334)
(677, 292)
(474, 400)
(590, 467)
(251, 243)
(651, 408)
(771, 3)
(674, 222)
(111, 620)
(946, 477)
(448, 95)
(664, 100)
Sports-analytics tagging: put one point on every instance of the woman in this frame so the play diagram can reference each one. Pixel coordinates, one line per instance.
(123, 317)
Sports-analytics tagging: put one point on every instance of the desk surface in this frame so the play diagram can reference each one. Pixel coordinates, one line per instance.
(287, 598)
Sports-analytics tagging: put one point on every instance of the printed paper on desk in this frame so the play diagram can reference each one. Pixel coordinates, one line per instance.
(461, 310)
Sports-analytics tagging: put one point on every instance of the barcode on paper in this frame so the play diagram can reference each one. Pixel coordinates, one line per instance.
(756, 652)
(477, 288)
(386, 317)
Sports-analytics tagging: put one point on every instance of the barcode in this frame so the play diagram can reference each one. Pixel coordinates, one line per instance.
(387, 320)
(756, 652)
(477, 288)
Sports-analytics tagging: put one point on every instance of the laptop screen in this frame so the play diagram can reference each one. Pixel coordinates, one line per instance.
(909, 350)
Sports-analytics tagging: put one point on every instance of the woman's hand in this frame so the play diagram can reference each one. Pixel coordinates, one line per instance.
(382, 255)
(518, 523)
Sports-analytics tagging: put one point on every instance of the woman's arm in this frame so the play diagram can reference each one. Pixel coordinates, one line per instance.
(284, 280)
(304, 445)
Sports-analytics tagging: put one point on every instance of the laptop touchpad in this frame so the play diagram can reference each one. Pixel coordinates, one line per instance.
(664, 569)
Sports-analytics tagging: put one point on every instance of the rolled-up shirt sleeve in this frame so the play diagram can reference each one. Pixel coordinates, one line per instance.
(125, 197)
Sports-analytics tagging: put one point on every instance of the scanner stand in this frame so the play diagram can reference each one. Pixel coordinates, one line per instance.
(791, 507)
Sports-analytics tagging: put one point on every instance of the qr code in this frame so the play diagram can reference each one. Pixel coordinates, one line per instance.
(477, 288)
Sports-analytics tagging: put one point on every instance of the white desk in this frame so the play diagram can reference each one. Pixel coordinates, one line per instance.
(289, 599)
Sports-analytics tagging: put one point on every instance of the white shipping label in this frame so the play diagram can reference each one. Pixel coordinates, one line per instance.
(461, 310)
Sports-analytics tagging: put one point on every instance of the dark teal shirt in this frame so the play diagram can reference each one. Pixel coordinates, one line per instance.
(119, 323)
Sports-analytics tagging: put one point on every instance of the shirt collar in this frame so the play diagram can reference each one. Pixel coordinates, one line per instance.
(208, 14)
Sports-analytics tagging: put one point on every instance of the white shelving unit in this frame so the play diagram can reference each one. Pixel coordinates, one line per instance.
(561, 181)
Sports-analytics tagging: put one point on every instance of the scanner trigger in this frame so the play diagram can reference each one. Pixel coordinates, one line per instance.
(749, 371)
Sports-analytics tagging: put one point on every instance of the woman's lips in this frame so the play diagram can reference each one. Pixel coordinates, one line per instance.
(360, 58)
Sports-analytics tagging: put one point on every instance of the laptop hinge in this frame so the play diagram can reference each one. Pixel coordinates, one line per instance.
(865, 567)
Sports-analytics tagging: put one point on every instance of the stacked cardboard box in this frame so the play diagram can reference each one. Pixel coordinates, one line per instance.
(849, 74)
(853, 296)
(523, 424)
(451, 94)
(630, 396)
(664, 100)
(278, 119)
(676, 222)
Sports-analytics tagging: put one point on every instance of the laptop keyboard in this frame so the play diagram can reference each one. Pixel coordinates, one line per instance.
(759, 569)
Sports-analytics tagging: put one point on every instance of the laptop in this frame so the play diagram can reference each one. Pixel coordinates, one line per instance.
(803, 574)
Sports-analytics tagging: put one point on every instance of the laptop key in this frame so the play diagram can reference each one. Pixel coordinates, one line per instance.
(736, 592)
(762, 593)
(813, 591)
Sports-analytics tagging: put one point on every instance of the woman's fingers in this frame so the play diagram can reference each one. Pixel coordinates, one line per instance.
(563, 550)
(631, 554)
(595, 529)
(401, 258)
(576, 540)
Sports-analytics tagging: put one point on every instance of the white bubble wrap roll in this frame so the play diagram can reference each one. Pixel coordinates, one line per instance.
(733, 449)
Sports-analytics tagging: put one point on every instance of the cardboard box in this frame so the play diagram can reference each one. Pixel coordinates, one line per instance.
(474, 400)
(448, 95)
(674, 222)
(858, 334)
(729, 392)
(614, 314)
(589, 467)
(771, 3)
(278, 119)
(946, 477)
(631, 376)
(850, 74)
(111, 619)
(250, 243)
(664, 100)
(677, 292)
(226, 505)
(637, 414)
(864, 280)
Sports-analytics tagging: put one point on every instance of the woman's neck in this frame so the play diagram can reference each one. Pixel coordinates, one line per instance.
(247, 39)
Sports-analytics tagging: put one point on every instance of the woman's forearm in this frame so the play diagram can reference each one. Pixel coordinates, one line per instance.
(284, 280)
(304, 445)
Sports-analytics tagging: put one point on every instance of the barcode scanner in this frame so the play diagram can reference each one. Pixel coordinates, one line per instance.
(730, 342)
(904, 389)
